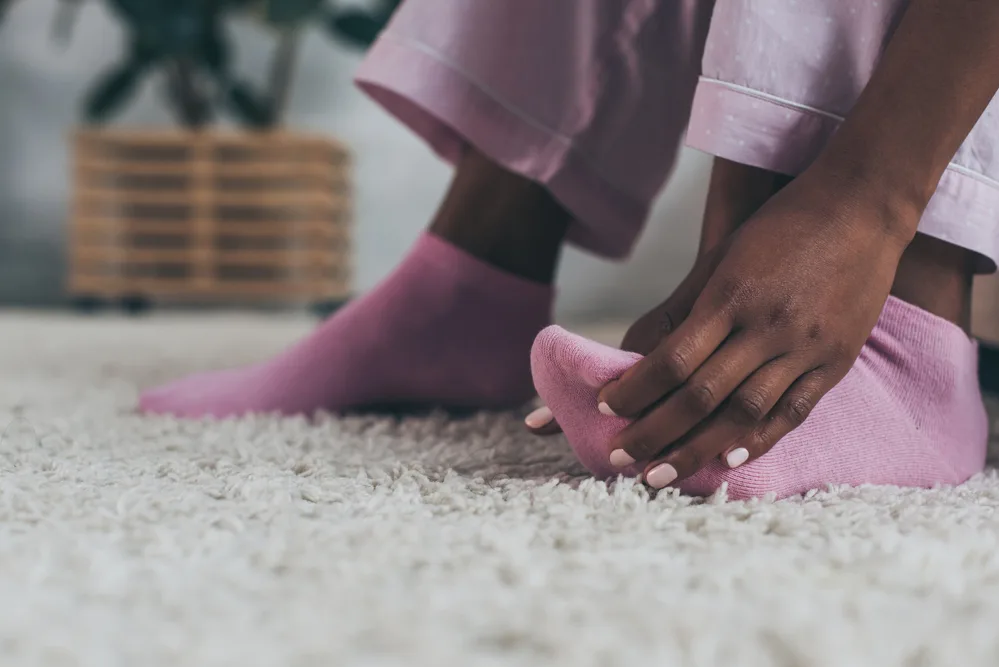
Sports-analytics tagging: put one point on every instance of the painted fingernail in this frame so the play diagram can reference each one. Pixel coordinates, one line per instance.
(737, 457)
(660, 476)
(620, 458)
(605, 409)
(540, 417)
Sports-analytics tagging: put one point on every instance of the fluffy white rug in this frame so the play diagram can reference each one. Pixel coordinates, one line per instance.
(370, 541)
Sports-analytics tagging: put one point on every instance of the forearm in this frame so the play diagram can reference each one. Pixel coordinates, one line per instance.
(938, 74)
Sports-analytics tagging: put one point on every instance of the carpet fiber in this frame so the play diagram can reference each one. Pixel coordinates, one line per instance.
(427, 541)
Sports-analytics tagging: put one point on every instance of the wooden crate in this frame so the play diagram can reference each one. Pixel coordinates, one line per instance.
(209, 216)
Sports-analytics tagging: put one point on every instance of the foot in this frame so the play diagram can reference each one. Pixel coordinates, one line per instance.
(445, 329)
(909, 413)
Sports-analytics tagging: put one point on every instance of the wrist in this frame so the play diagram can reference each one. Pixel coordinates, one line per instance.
(884, 200)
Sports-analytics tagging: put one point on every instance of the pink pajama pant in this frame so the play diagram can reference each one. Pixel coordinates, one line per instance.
(591, 97)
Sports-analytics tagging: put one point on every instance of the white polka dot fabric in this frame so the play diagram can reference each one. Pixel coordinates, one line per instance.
(591, 97)
(779, 76)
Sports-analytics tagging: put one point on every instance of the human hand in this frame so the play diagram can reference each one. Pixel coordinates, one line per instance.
(648, 331)
(792, 297)
(735, 192)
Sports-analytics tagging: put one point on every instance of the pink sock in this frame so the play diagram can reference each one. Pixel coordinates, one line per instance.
(445, 329)
(908, 413)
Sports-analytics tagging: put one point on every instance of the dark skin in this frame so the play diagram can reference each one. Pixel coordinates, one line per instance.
(503, 219)
(784, 303)
(735, 192)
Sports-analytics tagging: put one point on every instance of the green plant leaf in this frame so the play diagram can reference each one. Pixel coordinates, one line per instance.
(112, 90)
(128, 9)
(355, 27)
(358, 27)
(189, 99)
(283, 13)
(214, 51)
(248, 107)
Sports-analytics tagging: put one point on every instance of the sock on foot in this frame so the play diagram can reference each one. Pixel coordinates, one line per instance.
(444, 329)
(909, 413)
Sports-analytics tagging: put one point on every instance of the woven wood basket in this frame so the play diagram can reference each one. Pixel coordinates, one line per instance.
(209, 216)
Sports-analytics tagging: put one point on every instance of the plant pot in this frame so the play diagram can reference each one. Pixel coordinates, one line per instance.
(209, 217)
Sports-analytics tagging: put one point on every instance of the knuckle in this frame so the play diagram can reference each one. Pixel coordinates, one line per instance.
(672, 367)
(733, 291)
(701, 398)
(757, 441)
(750, 404)
(798, 409)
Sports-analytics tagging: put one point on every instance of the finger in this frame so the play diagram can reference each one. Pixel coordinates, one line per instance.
(753, 401)
(733, 423)
(694, 401)
(542, 422)
(668, 366)
(789, 413)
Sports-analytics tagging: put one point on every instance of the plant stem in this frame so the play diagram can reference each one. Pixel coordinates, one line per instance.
(282, 70)
(190, 105)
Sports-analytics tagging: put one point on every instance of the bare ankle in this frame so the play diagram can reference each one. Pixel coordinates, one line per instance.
(936, 276)
(503, 219)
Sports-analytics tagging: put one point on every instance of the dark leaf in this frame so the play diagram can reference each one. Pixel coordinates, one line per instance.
(185, 29)
(128, 9)
(176, 28)
(112, 91)
(214, 52)
(291, 12)
(250, 109)
(188, 98)
(355, 27)
(358, 27)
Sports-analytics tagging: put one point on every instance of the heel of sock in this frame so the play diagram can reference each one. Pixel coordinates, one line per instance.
(931, 367)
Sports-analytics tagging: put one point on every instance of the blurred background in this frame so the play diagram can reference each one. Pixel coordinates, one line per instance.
(397, 181)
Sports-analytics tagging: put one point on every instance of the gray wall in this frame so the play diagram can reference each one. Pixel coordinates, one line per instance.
(399, 182)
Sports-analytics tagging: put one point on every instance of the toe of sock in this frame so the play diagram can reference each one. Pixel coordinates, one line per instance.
(569, 372)
(156, 401)
(203, 395)
(558, 353)
(168, 399)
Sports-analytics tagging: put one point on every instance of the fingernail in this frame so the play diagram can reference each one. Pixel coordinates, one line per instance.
(540, 417)
(620, 458)
(605, 409)
(737, 457)
(660, 476)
